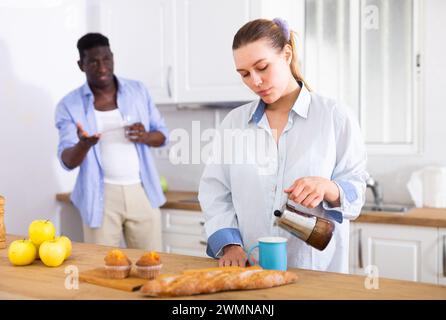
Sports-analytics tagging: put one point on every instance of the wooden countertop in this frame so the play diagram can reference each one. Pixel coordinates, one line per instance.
(182, 200)
(37, 281)
(427, 217)
(174, 200)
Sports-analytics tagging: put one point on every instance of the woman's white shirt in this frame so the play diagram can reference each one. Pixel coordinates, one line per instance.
(321, 139)
(119, 161)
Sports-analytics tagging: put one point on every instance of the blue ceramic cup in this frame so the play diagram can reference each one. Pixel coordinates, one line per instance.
(272, 253)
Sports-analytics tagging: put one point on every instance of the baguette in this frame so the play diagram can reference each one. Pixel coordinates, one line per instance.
(199, 281)
(224, 269)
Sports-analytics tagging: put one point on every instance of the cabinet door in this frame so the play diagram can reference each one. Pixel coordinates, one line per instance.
(442, 257)
(183, 221)
(183, 232)
(352, 261)
(142, 37)
(367, 56)
(205, 30)
(399, 252)
(184, 244)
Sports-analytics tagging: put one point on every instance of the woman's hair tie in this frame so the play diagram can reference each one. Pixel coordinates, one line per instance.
(283, 25)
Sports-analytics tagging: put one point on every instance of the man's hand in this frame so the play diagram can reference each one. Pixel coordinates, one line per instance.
(233, 255)
(84, 138)
(136, 132)
(73, 156)
(311, 191)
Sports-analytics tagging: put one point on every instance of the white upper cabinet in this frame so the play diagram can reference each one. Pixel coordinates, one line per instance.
(367, 55)
(390, 75)
(205, 31)
(142, 38)
(182, 50)
(206, 70)
(331, 49)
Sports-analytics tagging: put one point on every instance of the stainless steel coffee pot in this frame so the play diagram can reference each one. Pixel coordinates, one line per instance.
(315, 231)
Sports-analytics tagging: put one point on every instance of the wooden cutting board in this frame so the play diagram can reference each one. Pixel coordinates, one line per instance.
(97, 276)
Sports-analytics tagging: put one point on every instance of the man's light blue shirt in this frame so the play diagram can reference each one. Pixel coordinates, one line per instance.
(134, 102)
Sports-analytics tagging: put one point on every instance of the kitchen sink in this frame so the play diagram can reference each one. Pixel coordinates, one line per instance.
(386, 207)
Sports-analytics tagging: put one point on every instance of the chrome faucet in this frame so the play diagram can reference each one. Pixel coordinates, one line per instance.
(376, 190)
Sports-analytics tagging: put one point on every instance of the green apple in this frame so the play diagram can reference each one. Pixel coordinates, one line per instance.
(163, 182)
(67, 244)
(52, 253)
(21, 252)
(40, 231)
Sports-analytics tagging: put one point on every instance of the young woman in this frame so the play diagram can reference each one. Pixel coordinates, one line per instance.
(315, 157)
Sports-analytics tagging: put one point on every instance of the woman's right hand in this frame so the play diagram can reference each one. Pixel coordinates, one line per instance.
(233, 255)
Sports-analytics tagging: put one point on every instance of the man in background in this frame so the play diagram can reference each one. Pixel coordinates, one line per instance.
(106, 128)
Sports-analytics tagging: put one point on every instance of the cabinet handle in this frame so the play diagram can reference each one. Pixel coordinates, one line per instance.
(418, 60)
(202, 223)
(169, 75)
(204, 243)
(360, 262)
(444, 256)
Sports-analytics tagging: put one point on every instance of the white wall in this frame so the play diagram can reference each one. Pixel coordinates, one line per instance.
(37, 67)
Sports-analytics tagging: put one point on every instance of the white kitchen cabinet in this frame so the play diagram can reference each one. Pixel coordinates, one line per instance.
(182, 49)
(371, 61)
(353, 257)
(183, 232)
(205, 30)
(142, 38)
(398, 252)
(184, 244)
(442, 256)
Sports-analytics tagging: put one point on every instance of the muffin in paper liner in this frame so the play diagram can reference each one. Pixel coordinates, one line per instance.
(117, 264)
(148, 272)
(117, 272)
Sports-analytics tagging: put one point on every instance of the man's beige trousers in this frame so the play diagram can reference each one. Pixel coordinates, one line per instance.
(127, 211)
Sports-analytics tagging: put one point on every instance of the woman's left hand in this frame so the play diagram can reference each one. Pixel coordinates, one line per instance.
(311, 191)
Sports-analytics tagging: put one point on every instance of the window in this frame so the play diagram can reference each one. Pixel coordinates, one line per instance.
(366, 54)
